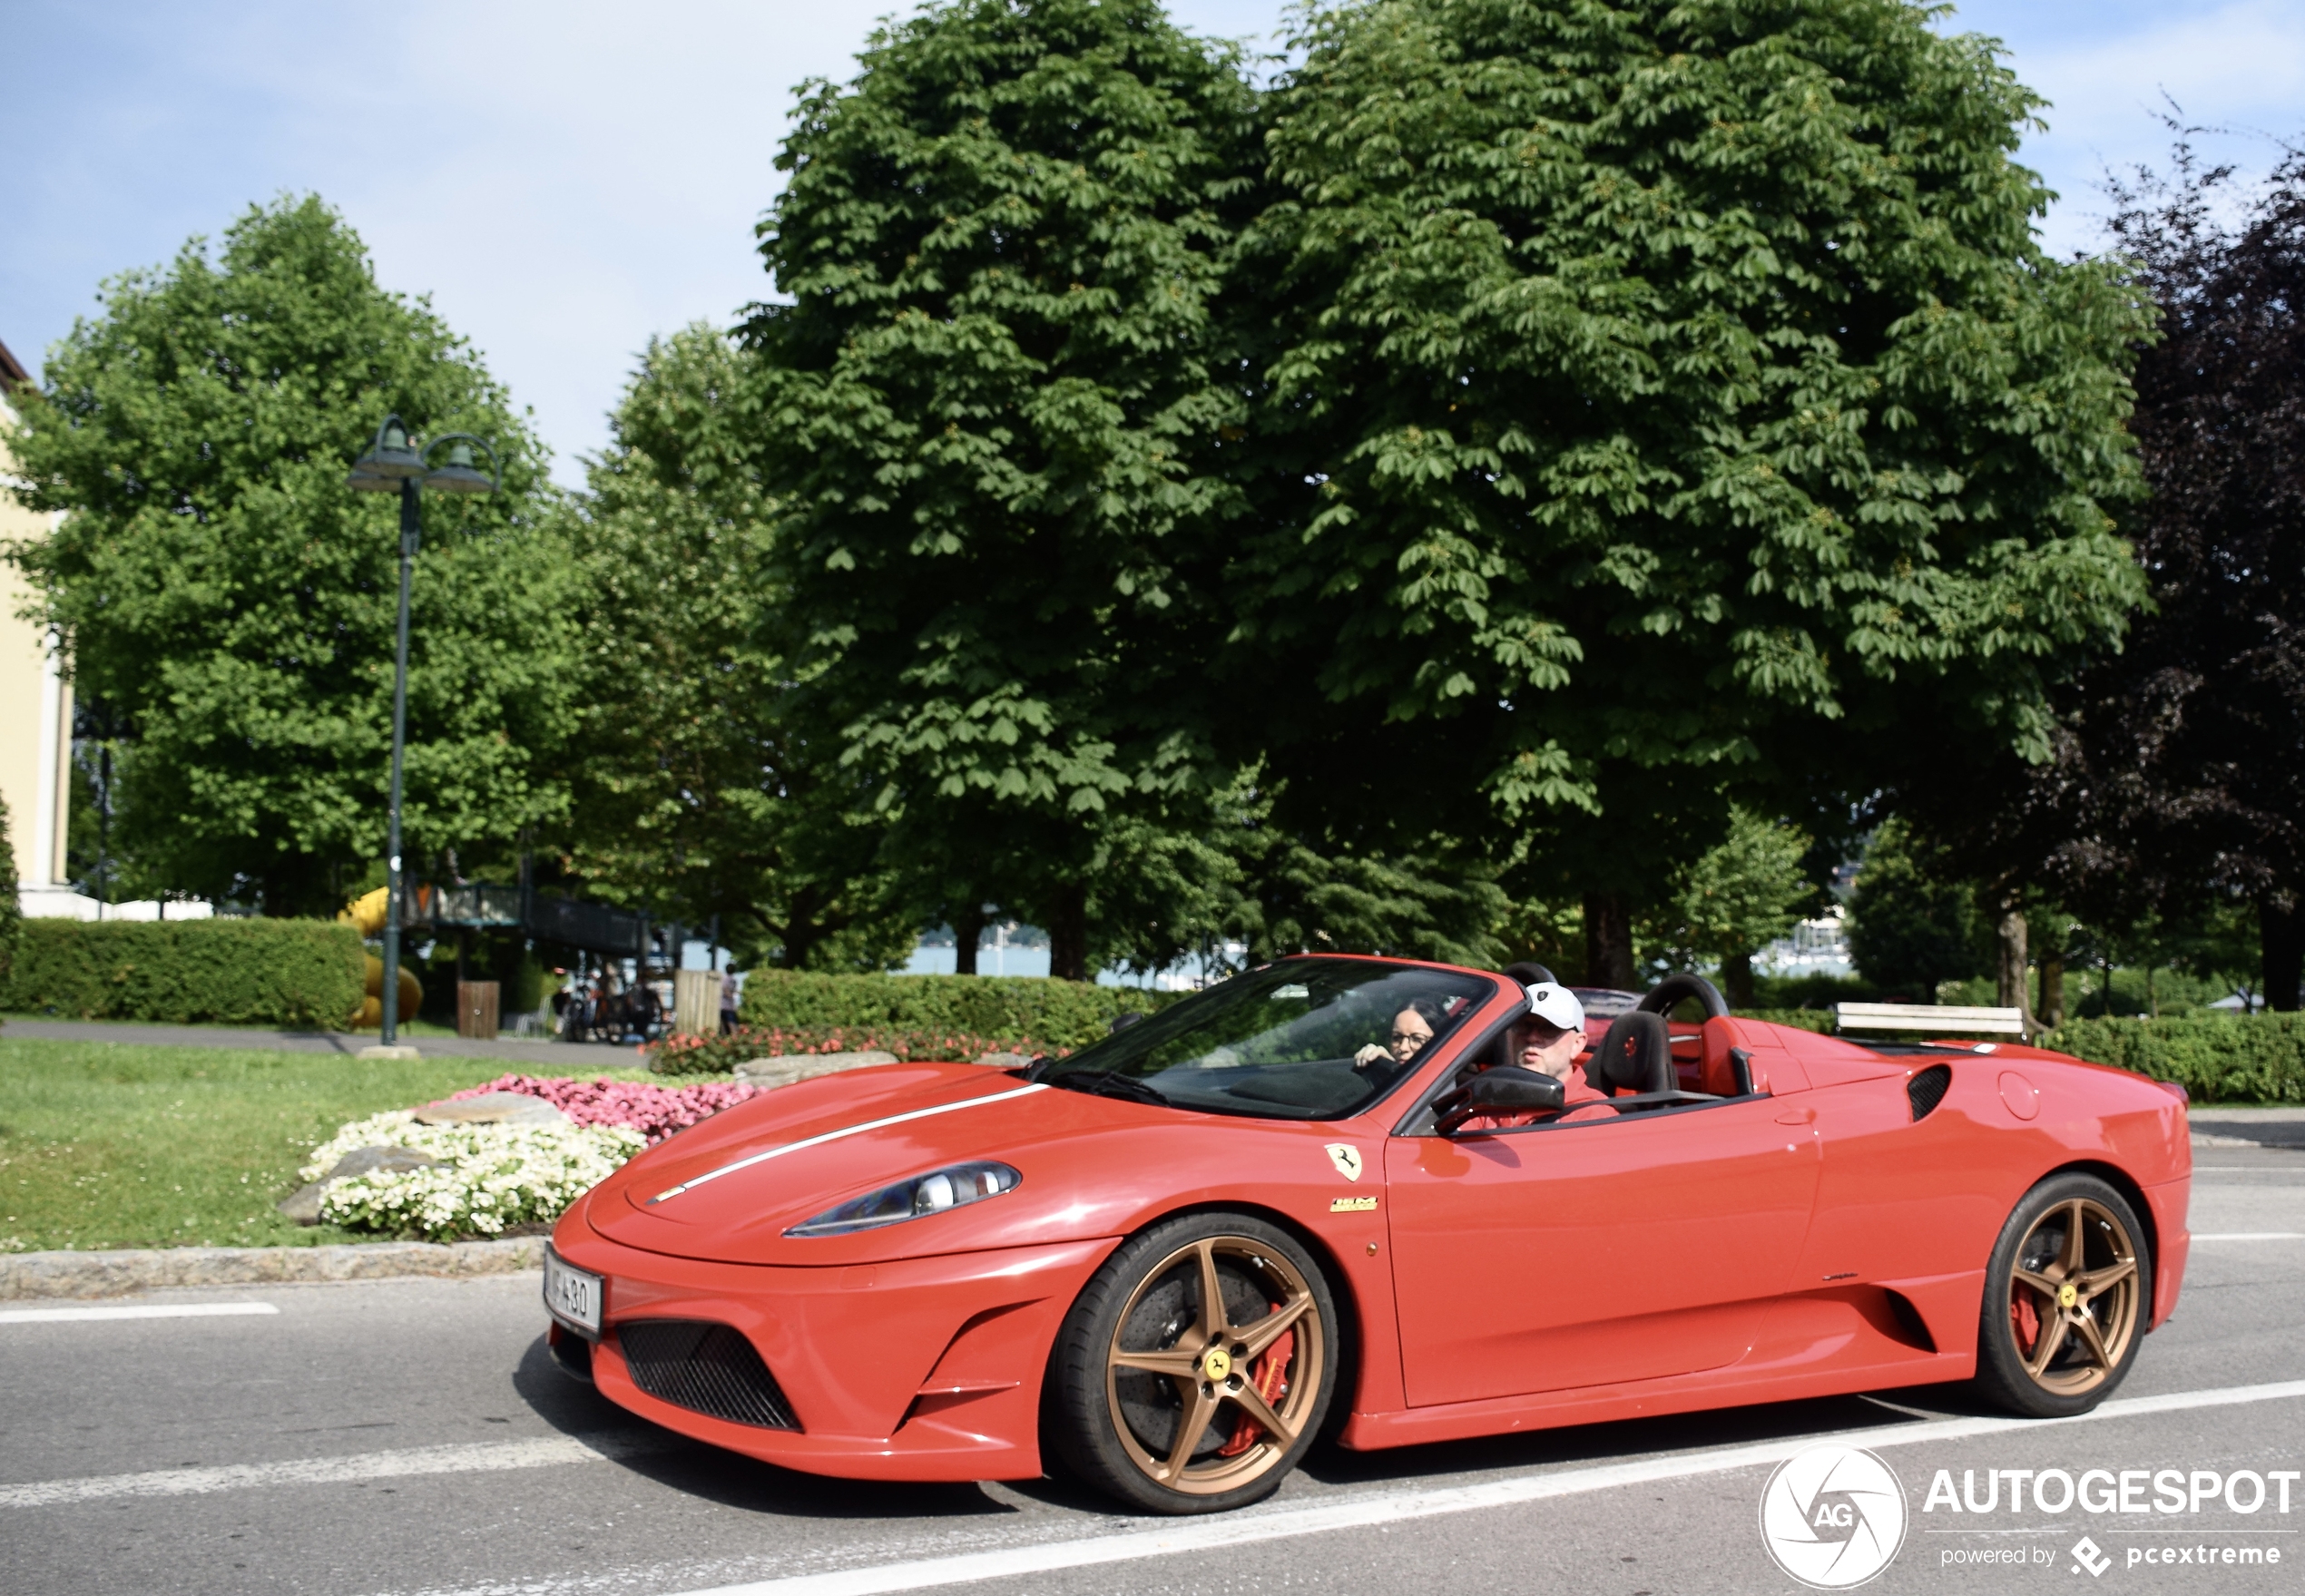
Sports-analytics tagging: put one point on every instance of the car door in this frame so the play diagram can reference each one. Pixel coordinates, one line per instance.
(1586, 1254)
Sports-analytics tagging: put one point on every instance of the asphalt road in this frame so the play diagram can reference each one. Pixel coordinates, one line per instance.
(412, 1436)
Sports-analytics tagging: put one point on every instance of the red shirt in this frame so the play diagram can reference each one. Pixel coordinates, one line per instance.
(1579, 1092)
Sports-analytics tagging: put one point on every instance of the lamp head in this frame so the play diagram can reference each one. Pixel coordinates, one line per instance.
(459, 476)
(391, 460)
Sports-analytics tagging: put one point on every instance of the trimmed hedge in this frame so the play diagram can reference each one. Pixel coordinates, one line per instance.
(2218, 1058)
(1820, 1020)
(307, 974)
(1007, 1008)
(691, 1055)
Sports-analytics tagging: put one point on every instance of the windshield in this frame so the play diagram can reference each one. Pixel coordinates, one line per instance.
(1306, 1038)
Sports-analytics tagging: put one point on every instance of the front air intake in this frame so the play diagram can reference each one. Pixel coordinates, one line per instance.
(1926, 1090)
(705, 1367)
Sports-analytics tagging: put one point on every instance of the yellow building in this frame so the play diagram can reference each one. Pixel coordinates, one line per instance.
(35, 706)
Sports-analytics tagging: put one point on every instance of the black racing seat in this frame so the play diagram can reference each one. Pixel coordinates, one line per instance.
(1634, 1056)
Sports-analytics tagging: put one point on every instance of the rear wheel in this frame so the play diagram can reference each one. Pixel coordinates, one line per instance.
(1197, 1366)
(2066, 1299)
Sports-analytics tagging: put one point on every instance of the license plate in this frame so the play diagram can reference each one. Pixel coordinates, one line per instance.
(572, 1296)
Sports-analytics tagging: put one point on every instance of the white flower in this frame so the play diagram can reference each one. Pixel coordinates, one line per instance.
(489, 1176)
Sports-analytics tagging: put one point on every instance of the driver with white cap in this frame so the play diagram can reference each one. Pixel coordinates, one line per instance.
(1546, 1039)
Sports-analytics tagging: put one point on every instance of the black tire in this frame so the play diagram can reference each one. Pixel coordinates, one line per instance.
(2063, 1318)
(1121, 1427)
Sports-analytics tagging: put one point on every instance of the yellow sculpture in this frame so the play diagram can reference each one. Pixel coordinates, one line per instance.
(366, 915)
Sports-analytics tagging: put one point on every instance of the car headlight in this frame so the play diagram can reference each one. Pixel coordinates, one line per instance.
(953, 1186)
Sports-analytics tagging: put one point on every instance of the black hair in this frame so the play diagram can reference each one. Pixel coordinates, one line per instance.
(1429, 1009)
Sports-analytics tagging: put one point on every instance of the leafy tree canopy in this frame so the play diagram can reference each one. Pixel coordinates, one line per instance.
(988, 410)
(1660, 386)
(2197, 731)
(693, 796)
(1740, 895)
(1914, 921)
(232, 603)
(11, 909)
(2177, 780)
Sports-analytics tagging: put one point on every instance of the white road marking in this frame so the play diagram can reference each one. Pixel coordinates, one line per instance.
(478, 1457)
(175, 1310)
(1169, 1538)
(1362, 1512)
(2254, 1236)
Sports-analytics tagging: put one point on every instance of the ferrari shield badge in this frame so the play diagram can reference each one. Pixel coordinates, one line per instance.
(1347, 1158)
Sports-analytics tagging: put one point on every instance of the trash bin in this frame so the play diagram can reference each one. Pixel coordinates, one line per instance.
(476, 1010)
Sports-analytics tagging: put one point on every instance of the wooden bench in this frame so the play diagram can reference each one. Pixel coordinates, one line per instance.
(1935, 1019)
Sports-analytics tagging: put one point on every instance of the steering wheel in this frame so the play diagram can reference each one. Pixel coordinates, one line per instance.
(1661, 998)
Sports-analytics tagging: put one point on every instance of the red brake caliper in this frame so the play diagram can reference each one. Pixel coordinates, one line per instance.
(2026, 1318)
(1271, 1378)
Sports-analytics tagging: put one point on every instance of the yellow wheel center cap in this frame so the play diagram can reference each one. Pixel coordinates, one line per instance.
(2067, 1295)
(1218, 1364)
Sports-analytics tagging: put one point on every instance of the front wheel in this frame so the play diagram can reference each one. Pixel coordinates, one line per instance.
(2066, 1299)
(1197, 1366)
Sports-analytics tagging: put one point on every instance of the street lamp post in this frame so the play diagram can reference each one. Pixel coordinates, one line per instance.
(394, 465)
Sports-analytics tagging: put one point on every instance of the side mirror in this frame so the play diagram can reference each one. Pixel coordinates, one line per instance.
(1508, 1087)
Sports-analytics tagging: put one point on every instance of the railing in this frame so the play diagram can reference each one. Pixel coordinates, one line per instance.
(596, 928)
(593, 927)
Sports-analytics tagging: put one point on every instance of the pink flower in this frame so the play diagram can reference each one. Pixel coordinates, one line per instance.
(656, 1111)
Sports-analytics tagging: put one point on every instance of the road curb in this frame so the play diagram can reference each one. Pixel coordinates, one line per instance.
(112, 1273)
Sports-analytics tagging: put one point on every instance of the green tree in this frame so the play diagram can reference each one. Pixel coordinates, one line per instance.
(11, 909)
(693, 796)
(1743, 893)
(1661, 397)
(994, 409)
(231, 601)
(1158, 893)
(1914, 921)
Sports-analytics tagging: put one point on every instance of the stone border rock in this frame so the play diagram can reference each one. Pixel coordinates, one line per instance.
(26, 1275)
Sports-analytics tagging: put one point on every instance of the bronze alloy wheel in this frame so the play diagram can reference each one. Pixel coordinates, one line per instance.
(1197, 1366)
(2066, 1299)
(1208, 1326)
(2073, 1296)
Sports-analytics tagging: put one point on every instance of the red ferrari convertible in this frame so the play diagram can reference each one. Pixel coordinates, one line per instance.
(1174, 1261)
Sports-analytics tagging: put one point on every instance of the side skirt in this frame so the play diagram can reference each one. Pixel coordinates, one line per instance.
(1730, 1387)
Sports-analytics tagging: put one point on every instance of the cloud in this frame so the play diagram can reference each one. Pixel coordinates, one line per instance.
(2240, 67)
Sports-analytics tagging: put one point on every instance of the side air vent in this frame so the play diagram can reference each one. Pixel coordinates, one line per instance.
(1927, 1090)
(705, 1367)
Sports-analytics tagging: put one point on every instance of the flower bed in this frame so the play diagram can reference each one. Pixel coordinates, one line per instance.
(491, 1177)
(701, 1054)
(656, 1111)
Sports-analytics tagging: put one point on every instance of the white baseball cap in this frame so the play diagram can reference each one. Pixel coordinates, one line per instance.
(1557, 1006)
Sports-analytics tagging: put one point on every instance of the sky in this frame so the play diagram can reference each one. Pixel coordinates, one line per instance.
(567, 179)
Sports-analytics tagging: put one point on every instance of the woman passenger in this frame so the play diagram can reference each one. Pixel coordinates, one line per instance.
(1414, 1028)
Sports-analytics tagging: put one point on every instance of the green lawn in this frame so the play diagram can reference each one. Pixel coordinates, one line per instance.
(118, 1144)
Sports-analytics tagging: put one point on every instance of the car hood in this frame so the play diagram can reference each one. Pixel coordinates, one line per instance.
(727, 1189)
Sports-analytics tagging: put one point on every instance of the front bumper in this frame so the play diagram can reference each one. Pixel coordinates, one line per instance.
(919, 1370)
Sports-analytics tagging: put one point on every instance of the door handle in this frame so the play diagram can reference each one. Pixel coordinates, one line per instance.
(1796, 1117)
